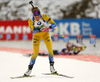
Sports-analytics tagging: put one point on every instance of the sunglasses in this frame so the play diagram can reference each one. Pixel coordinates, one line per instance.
(36, 13)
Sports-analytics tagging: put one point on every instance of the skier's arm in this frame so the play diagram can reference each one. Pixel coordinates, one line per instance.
(30, 22)
(49, 20)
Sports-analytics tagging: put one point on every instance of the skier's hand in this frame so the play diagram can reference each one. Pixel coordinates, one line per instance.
(46, 29)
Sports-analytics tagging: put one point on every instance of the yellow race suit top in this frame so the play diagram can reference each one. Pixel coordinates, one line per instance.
(36, 26)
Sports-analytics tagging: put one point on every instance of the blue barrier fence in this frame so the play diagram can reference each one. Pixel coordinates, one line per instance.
(75, 27)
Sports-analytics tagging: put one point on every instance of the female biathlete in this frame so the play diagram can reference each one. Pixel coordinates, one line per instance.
(38, 24)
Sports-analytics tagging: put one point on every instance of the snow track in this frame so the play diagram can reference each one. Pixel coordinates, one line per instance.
(15, 64)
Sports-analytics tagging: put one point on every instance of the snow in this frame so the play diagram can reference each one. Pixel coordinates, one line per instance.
(15, 64)
(14, 8)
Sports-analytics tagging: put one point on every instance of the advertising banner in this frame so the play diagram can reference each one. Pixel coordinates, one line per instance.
(74, 27)
(19, 30)
(15, 30)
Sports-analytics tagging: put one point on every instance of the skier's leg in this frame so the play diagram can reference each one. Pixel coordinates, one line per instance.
(36, 43)
(48, 42)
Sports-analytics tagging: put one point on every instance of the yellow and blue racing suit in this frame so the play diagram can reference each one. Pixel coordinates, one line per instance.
(36, 27)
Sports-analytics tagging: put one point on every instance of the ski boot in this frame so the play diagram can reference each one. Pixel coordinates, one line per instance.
(52, 69)
(28, 72)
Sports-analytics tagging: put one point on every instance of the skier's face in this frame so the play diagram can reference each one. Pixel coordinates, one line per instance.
(37, 18)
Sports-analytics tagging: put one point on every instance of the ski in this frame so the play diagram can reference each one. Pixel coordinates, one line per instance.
(57, 75)
(22, 76)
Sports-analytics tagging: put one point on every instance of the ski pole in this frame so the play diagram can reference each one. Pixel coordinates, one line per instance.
(54, 32)
(58, 34)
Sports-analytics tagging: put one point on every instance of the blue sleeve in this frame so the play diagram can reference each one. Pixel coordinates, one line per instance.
(52, 26)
